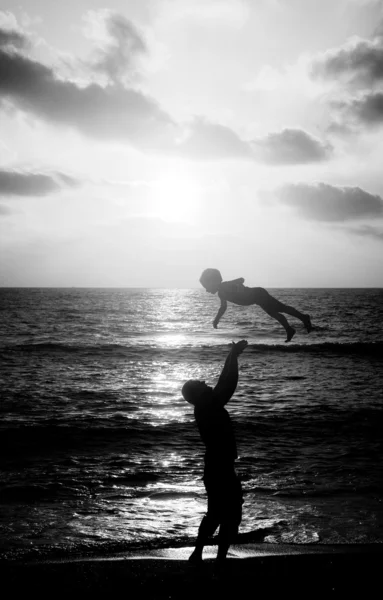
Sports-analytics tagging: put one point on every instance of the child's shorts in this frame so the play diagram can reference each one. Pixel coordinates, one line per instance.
(265, 301)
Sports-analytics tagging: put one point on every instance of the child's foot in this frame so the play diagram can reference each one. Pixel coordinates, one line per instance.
(290, 334)
(307, 323)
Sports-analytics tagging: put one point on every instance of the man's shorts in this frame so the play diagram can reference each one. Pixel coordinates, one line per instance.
(224, 496)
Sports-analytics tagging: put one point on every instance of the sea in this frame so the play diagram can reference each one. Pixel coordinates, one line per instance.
(100, 454)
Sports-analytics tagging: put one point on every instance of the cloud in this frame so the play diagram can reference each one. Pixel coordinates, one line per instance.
(204, 139)
(67, 180)
(119, 44)
(109, 112)
(290, 146)
(367, 110)
(11, 38)
(328, 203)
(369, 231)
(11, 35)
(341, 128)
(18, 183)
(356, 70)
(359, 62)
(115, 110)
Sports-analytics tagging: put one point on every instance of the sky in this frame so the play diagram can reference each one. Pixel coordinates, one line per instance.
(142, 141)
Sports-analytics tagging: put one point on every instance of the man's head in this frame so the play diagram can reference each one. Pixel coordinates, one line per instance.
(211, 279)
(193, 390)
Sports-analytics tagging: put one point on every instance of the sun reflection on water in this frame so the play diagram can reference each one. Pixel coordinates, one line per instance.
(172, 340)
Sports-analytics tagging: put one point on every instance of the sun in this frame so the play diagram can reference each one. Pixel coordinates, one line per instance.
(176, 196)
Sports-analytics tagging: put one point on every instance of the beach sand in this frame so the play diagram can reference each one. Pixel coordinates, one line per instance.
(250, 570)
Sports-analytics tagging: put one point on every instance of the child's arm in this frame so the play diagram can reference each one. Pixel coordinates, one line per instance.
(239, 281)
(220, 313)
(228, 379)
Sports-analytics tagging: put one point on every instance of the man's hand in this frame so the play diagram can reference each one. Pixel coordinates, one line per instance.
(238, 347)
(228, 379)
(215, 324)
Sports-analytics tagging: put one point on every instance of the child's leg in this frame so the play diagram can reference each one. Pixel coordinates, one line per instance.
(274, 308)
(290, 331)
(289, 310)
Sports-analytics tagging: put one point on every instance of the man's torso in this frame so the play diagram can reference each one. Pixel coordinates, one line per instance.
(217, 433)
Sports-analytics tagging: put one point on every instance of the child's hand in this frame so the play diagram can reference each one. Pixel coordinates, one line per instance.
(215, 324)
(238, 347)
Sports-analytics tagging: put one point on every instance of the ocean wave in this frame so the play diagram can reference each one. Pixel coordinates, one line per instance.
(67, 348)
(172, 495)
(359, 348)
(329, 492)
(134, 479)
(30, 440)
(31, 493)
(314, 491)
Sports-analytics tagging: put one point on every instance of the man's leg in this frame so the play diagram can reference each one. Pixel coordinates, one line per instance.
(227, 534)
(232, 510)
(206, 530)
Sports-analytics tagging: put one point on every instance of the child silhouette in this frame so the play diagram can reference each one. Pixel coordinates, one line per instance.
(235, 292)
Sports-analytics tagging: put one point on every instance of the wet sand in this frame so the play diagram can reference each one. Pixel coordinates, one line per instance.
(250, 569)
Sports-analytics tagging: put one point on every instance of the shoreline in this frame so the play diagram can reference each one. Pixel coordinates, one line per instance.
(237, 551)
(166, 573)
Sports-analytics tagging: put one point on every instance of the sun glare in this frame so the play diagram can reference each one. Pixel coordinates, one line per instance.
(176, 197)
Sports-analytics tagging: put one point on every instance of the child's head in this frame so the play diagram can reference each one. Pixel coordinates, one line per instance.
(211, 280)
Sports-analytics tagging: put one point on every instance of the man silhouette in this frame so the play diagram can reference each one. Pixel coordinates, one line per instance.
(224, 492)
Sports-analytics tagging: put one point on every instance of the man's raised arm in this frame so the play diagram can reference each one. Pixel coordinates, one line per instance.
(228, 379)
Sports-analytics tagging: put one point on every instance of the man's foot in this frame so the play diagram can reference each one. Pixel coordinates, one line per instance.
(195, 558)
(290, 334)
(307, 323)
(220, 568)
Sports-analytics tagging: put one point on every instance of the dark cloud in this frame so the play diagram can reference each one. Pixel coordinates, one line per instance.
(118, 112)
(329, 203)
(359, 62)
(18, 183)
(116, 58)
(110, 112)
(358, 68)
(10, 38)
(367, 110)
(290, 146)
(204, 139)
